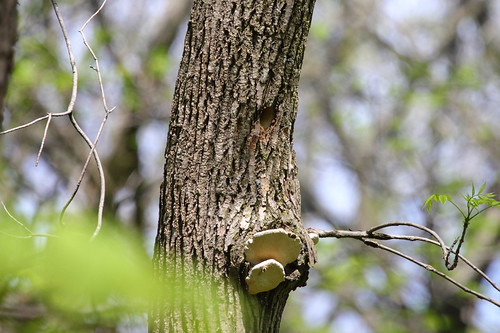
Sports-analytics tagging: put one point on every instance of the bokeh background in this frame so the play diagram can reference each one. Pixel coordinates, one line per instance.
(398, 100)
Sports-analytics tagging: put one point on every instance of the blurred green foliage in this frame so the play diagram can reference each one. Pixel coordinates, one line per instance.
(80, 282)
(403, 105)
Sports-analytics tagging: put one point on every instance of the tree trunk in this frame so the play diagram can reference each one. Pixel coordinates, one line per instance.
(230, 168)
(8, 37)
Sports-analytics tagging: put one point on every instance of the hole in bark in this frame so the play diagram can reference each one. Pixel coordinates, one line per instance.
(255, 38)
(267, 116)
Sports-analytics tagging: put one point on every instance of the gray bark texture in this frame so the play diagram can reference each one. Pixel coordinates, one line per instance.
(8, 37)
(230, 167)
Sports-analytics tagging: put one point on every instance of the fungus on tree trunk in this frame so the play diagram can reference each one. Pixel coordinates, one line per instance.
(270, 251)
(265, 276)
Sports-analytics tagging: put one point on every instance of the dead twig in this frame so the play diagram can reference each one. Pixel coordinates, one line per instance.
(92, 145)
(70, 112)
(74, 89)
(107, 112)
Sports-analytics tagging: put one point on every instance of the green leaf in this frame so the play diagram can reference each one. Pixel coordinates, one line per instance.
(444, 198)
(440, 198)
(429, 202)
(474, 203)
(482, 189)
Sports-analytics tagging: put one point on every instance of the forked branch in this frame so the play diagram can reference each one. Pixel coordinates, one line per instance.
(372, 236)
(70, 112)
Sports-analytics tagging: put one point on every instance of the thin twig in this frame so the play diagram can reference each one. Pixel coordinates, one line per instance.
(31, 233)
(417, 226)
(74, 89)
(96, 68)
(71, 60)
(93, 153)
(43, 139)
(69, 111)
(464, 259)
(103, 182)
(20, 127)
(461, 240)
(99, 132)
(362, 235)
(14, 219)
(92, 145)
(369, 236)
(433, 270)
(448, 249)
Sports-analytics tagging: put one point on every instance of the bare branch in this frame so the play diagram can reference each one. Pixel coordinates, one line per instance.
(99, 132)
(91, 144)
(69, 111)
(433, 270)
(71, 61)
(24, 126)
(369, 237)
(461, 257)
(96, 68)
(74, 90)
(417, 226)
(93, 153)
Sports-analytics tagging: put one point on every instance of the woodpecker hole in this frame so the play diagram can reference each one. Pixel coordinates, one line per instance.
(267, 117)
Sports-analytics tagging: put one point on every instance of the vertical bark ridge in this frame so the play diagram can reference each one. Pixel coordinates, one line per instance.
(230, 168)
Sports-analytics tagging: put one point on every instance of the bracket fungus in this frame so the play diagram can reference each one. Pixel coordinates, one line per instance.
(270, 251)
(265, 276)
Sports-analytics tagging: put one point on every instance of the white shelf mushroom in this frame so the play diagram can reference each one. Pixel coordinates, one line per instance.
(265, 276)
(270, 251)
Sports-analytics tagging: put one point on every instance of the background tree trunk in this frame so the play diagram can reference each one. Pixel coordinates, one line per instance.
(8, 37)
(230, 168)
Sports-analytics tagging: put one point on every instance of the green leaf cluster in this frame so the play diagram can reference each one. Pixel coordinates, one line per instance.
(476, 202)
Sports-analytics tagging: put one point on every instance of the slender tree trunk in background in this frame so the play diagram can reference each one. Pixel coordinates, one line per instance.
(230, 168)
(8, 37)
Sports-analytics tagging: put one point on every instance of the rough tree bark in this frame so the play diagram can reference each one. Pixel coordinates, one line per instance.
(8, 37)
(230, 168)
